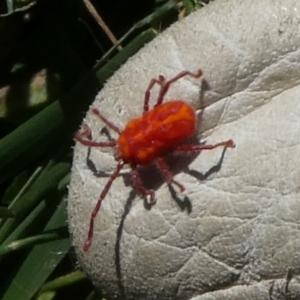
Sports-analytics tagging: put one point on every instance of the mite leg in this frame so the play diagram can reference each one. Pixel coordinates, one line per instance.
(105, 121)
(83, 138)
(161, 81)
(191, 148)
(138, 184)
(169, 176)
(103, 194)
(165, 85)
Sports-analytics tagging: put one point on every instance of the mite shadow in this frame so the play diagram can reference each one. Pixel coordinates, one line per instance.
(153, 179)
(176, 164)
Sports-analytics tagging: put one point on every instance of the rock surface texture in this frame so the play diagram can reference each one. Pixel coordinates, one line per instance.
(235, 232)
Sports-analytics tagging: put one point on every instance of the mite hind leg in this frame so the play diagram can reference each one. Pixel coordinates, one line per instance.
(168, 175)
(139, 185)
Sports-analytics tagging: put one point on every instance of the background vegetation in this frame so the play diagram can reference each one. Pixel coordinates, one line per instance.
(54, 58)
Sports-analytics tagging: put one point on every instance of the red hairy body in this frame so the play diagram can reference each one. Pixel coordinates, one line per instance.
(147, 139)
(156, 133)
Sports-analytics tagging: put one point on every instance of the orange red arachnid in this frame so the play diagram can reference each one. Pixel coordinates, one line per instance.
(148, 139)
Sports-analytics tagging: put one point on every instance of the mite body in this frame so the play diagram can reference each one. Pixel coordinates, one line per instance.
(156, 133)
(148, 139)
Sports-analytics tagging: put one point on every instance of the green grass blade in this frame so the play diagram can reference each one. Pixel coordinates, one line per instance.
(40, 262)
(28, 225)
(44, 185)
(189, 5)
(18, 186)
(108, 69)
(49, 295)
(29, 242)
(94, 295)
(30, 140)
(47, 182)
(63, 281)
(152, 18)
(51, 125)
(16, 190)
(5, 213)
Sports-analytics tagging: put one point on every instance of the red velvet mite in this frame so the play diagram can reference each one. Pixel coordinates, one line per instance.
(148, 139)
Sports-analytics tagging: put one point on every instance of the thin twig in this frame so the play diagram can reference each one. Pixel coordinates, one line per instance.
(164, 9)
(102, 24)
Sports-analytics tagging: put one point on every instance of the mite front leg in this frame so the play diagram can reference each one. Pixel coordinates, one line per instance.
(166, 84)
(161, 81)
(84, 138)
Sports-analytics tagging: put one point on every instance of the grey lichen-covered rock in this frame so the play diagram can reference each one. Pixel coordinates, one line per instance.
(236, 234)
